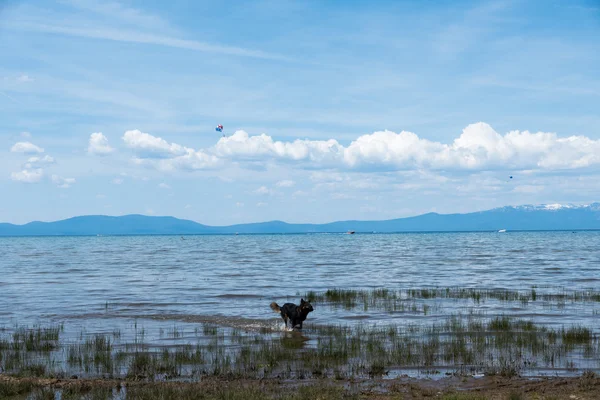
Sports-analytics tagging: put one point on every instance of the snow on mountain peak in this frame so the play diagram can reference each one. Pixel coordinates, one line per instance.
(552, 207)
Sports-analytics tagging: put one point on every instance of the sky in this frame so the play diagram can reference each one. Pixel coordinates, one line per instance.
(331, 110)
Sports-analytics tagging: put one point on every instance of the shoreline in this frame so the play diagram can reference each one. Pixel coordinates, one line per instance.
(586, 386)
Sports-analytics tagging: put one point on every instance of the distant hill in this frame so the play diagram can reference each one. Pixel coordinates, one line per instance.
(529, 217)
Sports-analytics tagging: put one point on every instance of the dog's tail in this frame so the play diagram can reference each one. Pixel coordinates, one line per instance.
(275, 307)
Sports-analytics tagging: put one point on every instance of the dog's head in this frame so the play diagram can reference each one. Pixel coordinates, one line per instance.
(305, 306)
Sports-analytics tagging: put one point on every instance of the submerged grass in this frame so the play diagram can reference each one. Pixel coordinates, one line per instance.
(462, 344)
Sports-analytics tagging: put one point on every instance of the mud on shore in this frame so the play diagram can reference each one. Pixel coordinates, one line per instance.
(453, 388)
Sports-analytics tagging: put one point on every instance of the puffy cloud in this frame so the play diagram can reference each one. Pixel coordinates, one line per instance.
(162, 155)
(148, 146)
(261, 204)
(28, 175)
(117, 181)
(241, 146)
(285, 183)
(478, 147)
(98, 144)
(26, 148)
(190, 162)
(63, 183)
(164, 186)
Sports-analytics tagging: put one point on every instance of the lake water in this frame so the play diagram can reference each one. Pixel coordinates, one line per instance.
(167, 287)
(148, 278)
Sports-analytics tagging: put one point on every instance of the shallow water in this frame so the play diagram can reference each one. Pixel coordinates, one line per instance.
(99, 284)
(66, 277)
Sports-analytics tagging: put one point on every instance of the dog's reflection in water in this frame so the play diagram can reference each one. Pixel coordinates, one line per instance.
(293, 340)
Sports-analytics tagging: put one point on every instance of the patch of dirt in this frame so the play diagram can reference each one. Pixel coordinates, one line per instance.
(586, 387)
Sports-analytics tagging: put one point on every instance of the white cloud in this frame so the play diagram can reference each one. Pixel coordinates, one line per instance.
(327, 176)
(25, 134)
(262, 190)
(342, 196)
(261, 204)
(479, 147)
(148, 146)
(299, 193)
(63, 183)
(528, 189)
(24, 79)
(164, 186)
(38, 162)
(285, 183)
(144, 37)
(26, 148)
(100, 196)
(98, 144)
(239, 204)
(28, 176)
(164, 156)
(187, 206)
(241, 146)
(117, 181)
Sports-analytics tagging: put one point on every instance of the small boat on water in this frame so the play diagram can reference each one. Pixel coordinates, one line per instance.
(350, 232)
(502, 230)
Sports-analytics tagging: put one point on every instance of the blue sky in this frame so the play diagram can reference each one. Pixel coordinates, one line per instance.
(332, 110)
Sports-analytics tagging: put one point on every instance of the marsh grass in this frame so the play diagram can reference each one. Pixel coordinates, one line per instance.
(405, 299)
(463, 344)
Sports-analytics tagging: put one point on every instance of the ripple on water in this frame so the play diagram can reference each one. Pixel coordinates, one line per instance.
(215, 274)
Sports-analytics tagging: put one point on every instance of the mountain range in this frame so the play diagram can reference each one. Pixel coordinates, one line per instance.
(526, 217)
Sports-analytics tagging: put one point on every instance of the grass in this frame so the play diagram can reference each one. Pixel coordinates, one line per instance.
(464, 344)
(14, 388)
(405, 299)
(585, 386)
(459, 344)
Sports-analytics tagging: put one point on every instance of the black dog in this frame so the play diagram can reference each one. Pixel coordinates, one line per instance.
(295, 314)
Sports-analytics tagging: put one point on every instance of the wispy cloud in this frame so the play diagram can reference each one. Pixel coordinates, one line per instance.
(24, 78)
(131, 36)
(118, 11)
(38, 162)
(122, 24)
(26, 148)
(63, 183)
(28, 176)
(285, 183)
(263, 190)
